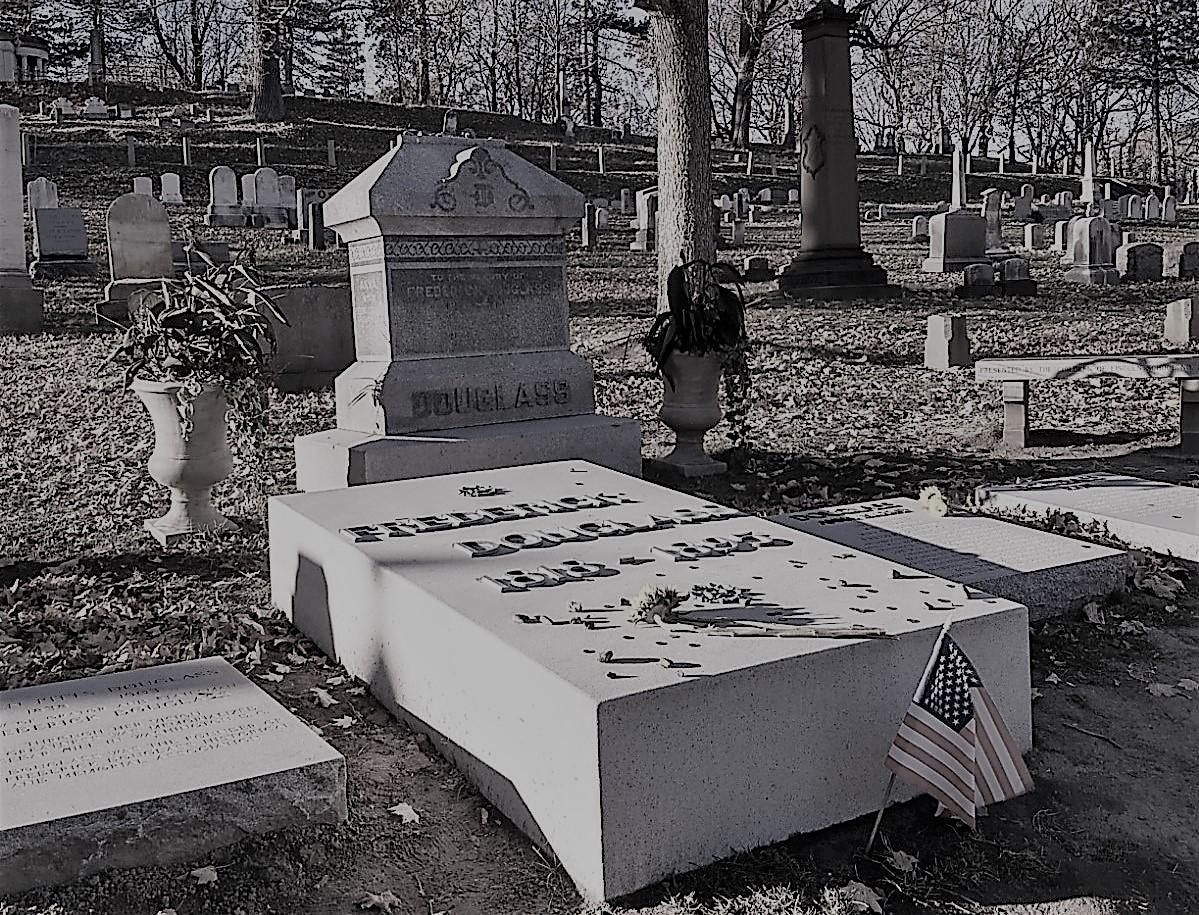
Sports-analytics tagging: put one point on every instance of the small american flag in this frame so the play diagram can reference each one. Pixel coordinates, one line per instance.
(953, 744)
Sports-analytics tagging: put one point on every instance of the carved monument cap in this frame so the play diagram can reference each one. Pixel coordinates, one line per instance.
(444, 185)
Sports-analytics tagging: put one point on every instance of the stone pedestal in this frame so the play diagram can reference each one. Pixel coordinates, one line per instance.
(956, 240)
(831, 263)
(20, 303)
(458, 279)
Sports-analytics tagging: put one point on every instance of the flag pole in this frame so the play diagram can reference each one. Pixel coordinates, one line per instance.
(928, 669)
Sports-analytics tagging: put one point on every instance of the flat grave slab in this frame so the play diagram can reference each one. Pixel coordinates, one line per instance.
(492, 610)
(1048, 573)
(1148, 514)
(150, 767)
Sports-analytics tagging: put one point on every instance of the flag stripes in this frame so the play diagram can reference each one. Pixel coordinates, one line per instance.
(952, 743)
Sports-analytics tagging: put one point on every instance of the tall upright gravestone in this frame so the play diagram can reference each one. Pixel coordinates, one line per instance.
(20, 303)
(458, 275)
(831, 263)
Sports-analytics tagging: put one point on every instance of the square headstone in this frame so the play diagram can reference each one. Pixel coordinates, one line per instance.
(492, 609)
(150, 767)
(1048, 573)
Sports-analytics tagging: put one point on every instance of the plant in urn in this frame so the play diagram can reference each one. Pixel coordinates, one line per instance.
(198, 356)
(698, 341)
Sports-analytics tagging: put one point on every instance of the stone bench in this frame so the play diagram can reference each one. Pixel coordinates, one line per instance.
(1015, 374)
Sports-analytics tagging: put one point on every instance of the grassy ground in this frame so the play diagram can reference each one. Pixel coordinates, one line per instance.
(842, 411)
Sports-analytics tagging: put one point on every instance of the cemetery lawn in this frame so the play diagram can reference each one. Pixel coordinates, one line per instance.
(842, 411)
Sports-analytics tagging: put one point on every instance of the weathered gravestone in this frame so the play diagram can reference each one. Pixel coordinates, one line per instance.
(442, 593)
(957, 237)
(306, 197)
(287, 197)
(223, 206)
(1182, 321)
(171, 195)
(94, 107)
(151, 767)
(992, 213)
(20, 303)
(143, 184)
(647, 220)
(1014, 277)
(1048, 573)
(247, 197)
(139, 251)
(1170, 210)
(920, 229)
(946, 342)
(59, 244)
(41, 194)
(1091, 252)
(1181, 260)
(1148, 514)
(268, 206)
(1022, 205)
(1139, 262)
(1153, 208)
(457, 267)
(978, 281)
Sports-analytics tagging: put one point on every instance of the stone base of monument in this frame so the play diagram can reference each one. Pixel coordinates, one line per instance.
(671, 468)
(343, 457)
(48, 269)
(1093, 275)
(152, 767)
(493, 609)
(20, 309)
(1048, 573)
(229, 220)
(835, 275)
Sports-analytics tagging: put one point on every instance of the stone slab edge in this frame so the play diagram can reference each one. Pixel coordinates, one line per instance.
(170, 829)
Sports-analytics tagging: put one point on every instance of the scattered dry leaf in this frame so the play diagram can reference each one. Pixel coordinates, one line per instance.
(322, 697)
(405, 813)
(861, 898)
(382, 902)
(204, 875)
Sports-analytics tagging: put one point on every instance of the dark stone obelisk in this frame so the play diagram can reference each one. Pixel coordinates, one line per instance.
(831, 263)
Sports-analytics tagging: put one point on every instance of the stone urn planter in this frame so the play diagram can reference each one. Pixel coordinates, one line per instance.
(690, 408)
(188, 467)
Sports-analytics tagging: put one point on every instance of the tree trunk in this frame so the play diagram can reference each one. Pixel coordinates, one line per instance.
(749, 49)
(197, 47)
(1158, 145)
(266, 98)
(685, 230)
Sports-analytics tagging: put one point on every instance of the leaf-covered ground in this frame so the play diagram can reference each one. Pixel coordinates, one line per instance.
(842, 411)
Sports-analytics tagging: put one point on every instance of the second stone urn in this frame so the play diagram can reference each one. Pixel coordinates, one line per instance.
(189, 466)
(690, 407)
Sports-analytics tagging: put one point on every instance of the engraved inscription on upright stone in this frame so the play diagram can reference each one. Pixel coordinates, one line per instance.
(457, 260)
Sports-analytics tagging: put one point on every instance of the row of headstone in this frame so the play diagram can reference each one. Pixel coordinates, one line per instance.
(170, 193)
(268, 199)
